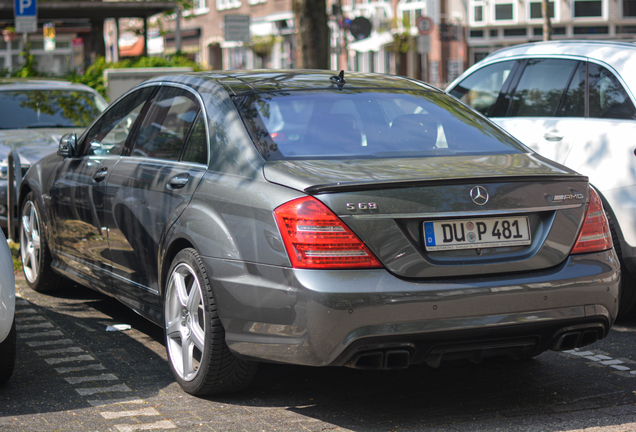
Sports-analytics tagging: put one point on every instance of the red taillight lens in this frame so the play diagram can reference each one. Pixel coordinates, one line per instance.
(595, 235)
(316, 238)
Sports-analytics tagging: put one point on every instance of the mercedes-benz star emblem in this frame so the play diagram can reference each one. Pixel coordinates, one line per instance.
(479, 194)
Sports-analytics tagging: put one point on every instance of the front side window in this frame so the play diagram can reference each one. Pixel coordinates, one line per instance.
(29, 109)
(608, 98)
(167, 125)
(541, 87)
(109, 134)
(367, 124)
(481, 90)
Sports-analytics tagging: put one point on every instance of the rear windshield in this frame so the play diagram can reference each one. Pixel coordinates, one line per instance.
(368, 123)
(20, 109)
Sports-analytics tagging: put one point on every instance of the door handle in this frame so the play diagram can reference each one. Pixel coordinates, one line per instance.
(100, 174)
(178, 181)
(553, 136)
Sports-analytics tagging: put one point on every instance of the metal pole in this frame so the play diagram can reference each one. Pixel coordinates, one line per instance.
(13, 186)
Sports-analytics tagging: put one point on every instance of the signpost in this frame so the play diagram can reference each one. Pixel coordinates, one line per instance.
(237, 28)
(425, 26)
(26, 16)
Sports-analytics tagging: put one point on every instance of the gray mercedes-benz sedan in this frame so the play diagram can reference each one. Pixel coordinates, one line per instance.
(303, 217)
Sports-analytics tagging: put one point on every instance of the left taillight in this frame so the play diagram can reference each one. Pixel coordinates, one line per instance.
(315, 238)
(595, 235)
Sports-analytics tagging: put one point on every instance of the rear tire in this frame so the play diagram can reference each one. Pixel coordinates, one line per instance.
(627, 288)
(7, 355)
(34, 249)
(200, 360)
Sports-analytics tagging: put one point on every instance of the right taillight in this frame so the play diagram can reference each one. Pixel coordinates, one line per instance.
(595, 235)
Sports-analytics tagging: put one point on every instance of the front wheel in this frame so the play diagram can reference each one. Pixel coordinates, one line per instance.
(199, 358)
(34, 249)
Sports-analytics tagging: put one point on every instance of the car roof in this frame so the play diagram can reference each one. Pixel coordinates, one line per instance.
(39, 84)
(241, 82)
(621, 56)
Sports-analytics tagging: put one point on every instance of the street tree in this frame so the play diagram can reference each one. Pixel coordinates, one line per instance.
(312, 37)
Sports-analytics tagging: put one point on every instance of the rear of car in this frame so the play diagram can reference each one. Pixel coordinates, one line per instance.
(572, 102)
(414, 231)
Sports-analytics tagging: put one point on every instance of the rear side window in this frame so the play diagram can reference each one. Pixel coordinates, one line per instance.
(608, 98)
(367, 123)
(481, 90)
(541, 87)
(167, 125)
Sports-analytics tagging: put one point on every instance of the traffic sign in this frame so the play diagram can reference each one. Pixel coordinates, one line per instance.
(360, 28)
(425, 25)
(26, 16)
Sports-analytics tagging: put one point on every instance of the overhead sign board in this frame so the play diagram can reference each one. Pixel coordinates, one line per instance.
(26, 16)
(237, 28)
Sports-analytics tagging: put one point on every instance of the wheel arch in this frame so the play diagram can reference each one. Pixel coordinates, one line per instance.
(176, 246)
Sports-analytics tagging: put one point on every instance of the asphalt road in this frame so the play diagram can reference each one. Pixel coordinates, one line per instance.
(72, 374)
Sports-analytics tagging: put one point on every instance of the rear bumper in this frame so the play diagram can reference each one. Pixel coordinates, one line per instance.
(323, 318)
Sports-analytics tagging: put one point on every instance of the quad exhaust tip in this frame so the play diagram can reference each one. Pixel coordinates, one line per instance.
(575, 339)
(386, 360)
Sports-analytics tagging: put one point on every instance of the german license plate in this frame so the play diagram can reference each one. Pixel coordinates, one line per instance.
(476, 233)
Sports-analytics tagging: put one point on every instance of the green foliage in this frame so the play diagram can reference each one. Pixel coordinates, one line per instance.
(15, 253)
(94, 75)
(29, 64)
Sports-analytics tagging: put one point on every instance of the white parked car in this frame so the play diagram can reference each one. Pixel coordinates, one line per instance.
(573, 102)
(7, 312)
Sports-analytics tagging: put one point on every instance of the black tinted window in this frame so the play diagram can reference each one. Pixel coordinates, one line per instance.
(112, 129)
(608, 98)
(367, 123)
(196, 148)
(48, 108)
(167, 124)
(574, 100)
(481, 89)
(540, 88)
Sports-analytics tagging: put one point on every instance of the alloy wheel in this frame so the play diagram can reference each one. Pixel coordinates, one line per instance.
(185, 321)
(30, 244)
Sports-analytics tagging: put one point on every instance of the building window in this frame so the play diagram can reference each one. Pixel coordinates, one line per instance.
(537, 13)
(591, 30)
(556, 31)
(588, 8)
(227, 4)
(494, 33)
(503, 12)
(477, 12)
(476, 33)
(515, 32)
(629, 8)
(626, 29)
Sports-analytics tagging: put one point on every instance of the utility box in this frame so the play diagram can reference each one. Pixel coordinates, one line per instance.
(119, 81)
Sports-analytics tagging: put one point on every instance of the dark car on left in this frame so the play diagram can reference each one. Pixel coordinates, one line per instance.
(34, 114)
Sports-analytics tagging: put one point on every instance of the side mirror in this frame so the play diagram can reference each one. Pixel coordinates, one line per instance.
(68, 145)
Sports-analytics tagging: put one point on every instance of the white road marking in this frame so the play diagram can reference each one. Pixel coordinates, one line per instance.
(94, 390)
(53, 342)
(60, 351)
(104, 402)
(64, 370)
(603, 359)
(103, 377)
(33, 326)
(611, 362)
(40, 334)
(164, 424)
(109, 415)
(69, 359)
(620, 368)
(31, 318)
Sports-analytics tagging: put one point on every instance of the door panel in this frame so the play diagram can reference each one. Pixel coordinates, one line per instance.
(148, 190)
